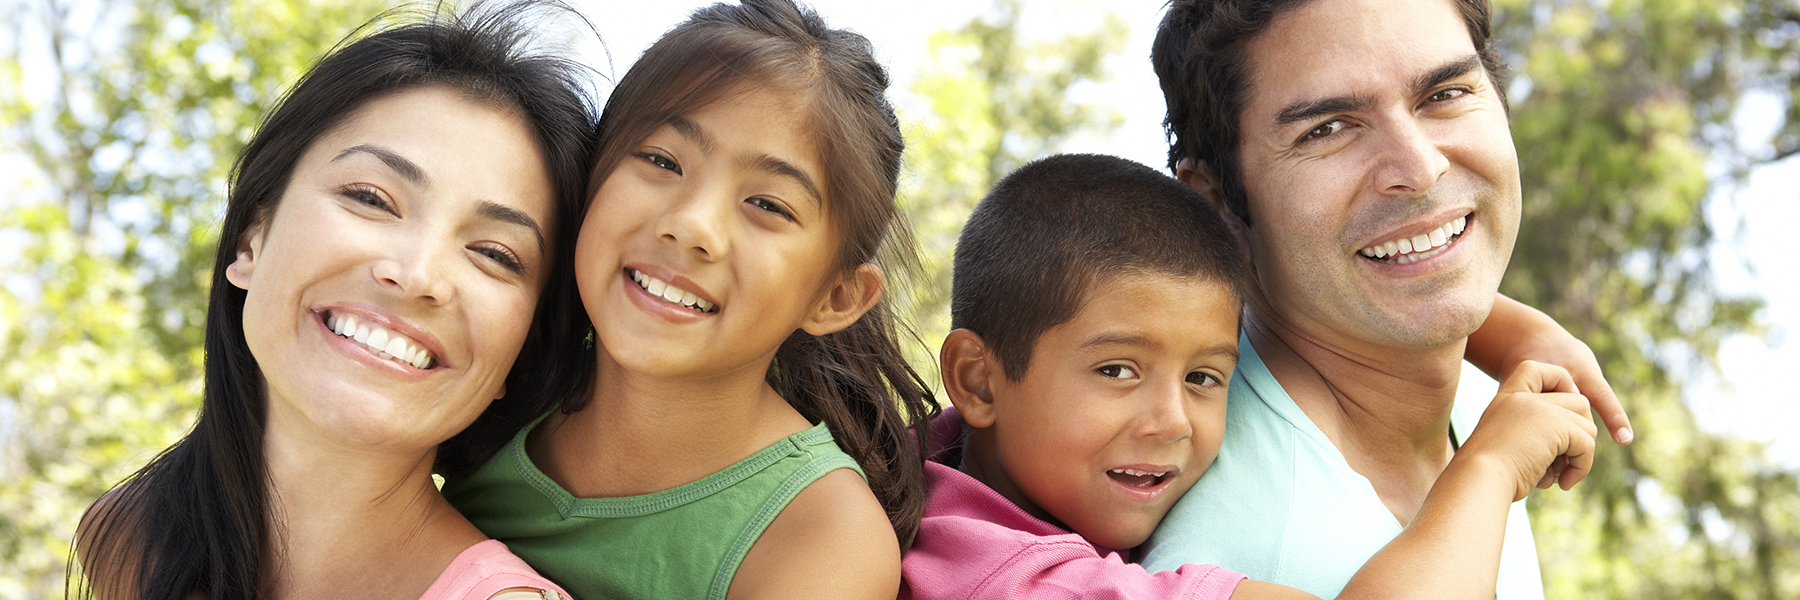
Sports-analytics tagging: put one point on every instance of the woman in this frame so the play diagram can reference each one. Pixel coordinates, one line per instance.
(390, 233)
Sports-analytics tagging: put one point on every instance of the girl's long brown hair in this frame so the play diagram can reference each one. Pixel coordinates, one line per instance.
(856, 380)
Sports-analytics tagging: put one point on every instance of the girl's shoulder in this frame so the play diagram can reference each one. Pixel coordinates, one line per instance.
(835, 526)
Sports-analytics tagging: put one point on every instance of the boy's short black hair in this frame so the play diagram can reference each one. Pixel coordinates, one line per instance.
(1057, 227)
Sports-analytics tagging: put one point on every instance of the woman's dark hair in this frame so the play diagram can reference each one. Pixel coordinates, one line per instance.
(197, 518)
(854, 380)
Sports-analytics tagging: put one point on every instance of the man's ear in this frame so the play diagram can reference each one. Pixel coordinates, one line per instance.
(1196, 175)
(969, 370)
(846, 301)
(248, 247)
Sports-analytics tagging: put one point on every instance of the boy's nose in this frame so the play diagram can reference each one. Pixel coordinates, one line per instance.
(1166, 416)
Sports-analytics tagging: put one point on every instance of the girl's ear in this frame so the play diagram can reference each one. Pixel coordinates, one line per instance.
(846, 301)
(968, 369)
(240, 270)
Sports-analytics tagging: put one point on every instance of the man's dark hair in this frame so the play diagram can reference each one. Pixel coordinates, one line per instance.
(1059, 227)
(1200, 59)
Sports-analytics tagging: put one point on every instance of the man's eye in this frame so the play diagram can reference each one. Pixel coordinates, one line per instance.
(1325, 130)
(1117, 371)
(1448, 94)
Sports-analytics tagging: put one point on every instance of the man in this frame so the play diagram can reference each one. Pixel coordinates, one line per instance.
(1361, 151)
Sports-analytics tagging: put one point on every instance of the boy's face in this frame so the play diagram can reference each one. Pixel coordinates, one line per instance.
(1120, 411)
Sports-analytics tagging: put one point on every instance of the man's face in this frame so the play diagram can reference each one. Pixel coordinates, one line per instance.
(1383, 185)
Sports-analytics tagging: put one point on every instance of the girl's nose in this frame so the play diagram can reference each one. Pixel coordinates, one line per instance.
(696, 222)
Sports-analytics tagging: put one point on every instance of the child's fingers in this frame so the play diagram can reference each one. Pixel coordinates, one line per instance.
(1535, 377)
(1579, 457)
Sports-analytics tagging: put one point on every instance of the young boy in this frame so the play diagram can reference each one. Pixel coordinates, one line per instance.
(1096, 304)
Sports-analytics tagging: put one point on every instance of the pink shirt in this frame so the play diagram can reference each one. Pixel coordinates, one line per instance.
(974, 543)
(483, 570)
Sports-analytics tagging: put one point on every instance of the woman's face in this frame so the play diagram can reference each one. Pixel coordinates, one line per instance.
(390, 291)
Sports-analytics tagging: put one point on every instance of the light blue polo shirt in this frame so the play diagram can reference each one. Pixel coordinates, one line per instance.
(1280, 504)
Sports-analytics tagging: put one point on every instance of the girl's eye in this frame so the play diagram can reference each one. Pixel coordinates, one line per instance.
(1446, 95)
(769, 205)
(1323, 131)
(501, 256)
(661, 162)
(1117, 372)
(367, 196)
(1202, 379)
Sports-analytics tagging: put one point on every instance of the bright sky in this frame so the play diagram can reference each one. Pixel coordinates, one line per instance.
(1750, 397)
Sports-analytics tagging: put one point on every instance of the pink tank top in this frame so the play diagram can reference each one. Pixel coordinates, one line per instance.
(485, 569)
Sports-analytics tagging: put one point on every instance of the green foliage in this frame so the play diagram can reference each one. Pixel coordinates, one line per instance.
(130, 113)
(993, 102)
(1625, 106)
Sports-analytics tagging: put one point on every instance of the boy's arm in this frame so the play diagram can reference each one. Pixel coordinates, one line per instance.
(1536, 433)
(1514, 333)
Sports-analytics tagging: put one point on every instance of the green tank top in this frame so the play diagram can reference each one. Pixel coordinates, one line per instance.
(684, 542)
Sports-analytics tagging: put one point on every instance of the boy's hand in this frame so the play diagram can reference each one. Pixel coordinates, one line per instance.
(1515, 333)
(1539, 427)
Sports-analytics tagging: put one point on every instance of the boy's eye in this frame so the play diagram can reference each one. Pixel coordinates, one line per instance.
(1202, 379)
(1117, 372)
(660, 161)
(769, 205)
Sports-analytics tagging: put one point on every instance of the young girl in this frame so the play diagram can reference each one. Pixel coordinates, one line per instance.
(387, 236)
(746, 375)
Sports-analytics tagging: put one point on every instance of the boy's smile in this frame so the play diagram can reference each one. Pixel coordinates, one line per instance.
(1119, 412)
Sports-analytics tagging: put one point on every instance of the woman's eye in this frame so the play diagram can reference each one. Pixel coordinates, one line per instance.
(769, 205)
(1324, 131)
(367, 196)
(1202, 379)
(661, 162)
(502, 256)
(1117, 371)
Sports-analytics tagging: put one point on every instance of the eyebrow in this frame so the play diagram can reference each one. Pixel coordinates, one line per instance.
(693, 133)
(508, 214)
(1110, 339)
(768, 164)
(1306, 110)
(782, 168)
(406, 168)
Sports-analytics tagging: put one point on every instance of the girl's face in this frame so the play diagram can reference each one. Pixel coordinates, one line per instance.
(710, 243)
(394, 284)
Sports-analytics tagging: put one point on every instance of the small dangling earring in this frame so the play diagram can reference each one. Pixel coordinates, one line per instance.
(587, 343)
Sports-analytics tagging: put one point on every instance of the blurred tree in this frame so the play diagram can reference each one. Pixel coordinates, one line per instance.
(992, 102)
(1621, 114)
(126, 116)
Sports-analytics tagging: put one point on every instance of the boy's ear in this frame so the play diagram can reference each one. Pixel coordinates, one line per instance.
(248, 247)
(1196, 175)
(846, 301)
(968, 370)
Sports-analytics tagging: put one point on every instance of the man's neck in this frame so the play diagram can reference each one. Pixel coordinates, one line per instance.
(1387, 410)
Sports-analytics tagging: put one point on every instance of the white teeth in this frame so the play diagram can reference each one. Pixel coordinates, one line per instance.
(1137, 473)
(662, 289)
(384, 343)
(1401, 250)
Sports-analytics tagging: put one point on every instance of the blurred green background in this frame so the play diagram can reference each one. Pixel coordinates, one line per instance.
(1652, 136)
